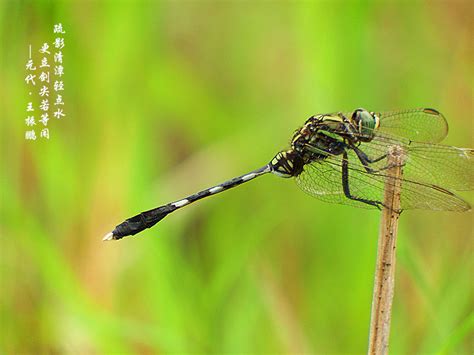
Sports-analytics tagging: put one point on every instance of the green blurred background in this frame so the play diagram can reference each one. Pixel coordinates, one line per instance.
(166, 98)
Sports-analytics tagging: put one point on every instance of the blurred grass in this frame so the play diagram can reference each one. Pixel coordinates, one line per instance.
(165, 98)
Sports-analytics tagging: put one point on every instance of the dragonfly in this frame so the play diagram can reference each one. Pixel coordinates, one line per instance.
(341, 158)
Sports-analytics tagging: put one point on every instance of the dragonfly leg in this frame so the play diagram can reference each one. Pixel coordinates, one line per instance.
(390, 166)
(346, 188)
(365, 160)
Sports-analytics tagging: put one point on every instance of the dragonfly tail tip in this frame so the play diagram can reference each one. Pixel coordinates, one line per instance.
(109, 236)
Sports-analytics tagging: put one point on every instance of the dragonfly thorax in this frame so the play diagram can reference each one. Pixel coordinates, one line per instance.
(287, 164)
(322, 135)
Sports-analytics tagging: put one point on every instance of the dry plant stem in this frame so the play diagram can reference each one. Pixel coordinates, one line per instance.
(384, 282)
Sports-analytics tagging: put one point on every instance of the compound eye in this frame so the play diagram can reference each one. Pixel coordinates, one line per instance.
(365, 117)
(356, 115)
(361, 115)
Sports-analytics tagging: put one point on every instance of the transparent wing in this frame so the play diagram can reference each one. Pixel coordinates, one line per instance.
(421, 125)
(323, 180)
(449, 167)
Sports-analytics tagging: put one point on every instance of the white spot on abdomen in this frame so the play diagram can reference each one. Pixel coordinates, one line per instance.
(248, 177)
(181, 203)
(216, 189)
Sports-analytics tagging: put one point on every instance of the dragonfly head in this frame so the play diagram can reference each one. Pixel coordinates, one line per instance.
(287, 164)
(366, 122)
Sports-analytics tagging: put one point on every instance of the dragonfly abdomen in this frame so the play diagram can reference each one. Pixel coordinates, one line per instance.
(149, 218)
(141, 221)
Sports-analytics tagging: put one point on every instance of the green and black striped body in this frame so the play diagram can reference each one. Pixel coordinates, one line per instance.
(323, 135)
